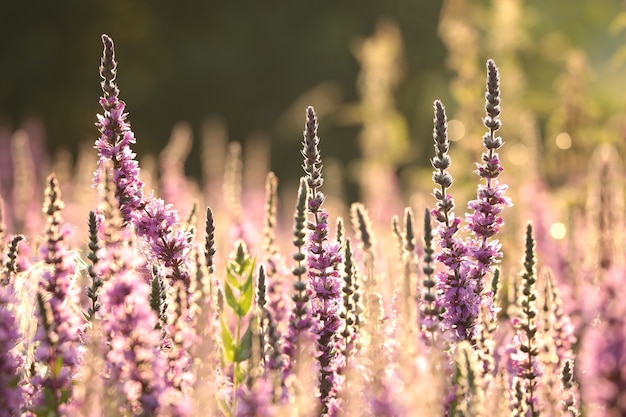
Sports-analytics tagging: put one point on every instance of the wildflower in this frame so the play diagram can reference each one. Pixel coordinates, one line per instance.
(11, 392)
(604, 350)
(300, 317)
(116, 138)
(458, 296)
(323, 261)
(485, 221)
(154, 221)
(523, 351)
(136, 365)
(58, 334)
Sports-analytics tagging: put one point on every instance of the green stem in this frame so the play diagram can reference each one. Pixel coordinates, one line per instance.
(236, 370)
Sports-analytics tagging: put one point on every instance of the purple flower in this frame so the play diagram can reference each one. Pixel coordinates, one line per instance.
(323, 259)
(300, 317)
(603, 355)
(11, 393)
(135, 365)
(114, 145)
(256, 401)
(58, 332)
(468, 262)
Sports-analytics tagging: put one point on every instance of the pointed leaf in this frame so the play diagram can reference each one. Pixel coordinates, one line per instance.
(232, 275)
(227, 342)
(243, 350)
(246, 296)
(232, 301)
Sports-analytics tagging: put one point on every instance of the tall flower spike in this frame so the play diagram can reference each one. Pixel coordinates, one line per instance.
(58, 331)
(11, 391)
(373, 311)
(116, 138)
(458, 299)
(323, 262)
(349, 313)
(524, 352)
(300, 317)
(430, 316)
(96, 281)
(484, 222)
(154, 221)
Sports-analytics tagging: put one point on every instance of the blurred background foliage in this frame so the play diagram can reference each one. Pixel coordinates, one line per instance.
(371, 68)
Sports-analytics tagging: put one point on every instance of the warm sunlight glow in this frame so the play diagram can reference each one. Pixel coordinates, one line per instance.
(456, 130)
(563, 140)
(558, 231)
(517, 154)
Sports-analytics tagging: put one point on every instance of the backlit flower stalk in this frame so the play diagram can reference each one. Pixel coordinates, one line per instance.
(300, 317)
(485, 220)
(458, 296)
(523, 361)
(323, 259)
(168, 243)
(275, 269)
(430, 310)
(58, 331)
(154, 220)
(11, 392)
(137, 369)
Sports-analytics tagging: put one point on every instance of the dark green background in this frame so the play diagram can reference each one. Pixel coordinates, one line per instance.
(246, 61)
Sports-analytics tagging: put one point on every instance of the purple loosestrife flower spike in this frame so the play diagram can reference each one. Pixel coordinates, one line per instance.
(430, 309)
(59, 326)
(116, 138)
(458, 299)
(135, 363)
(96, 281)
(153, 219)
(524, 352)
(323, 261)
(300, 317)
(11, 392)
(485, 221)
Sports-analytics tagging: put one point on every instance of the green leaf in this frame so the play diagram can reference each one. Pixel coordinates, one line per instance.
(248, 269)
(227, 342)
(233, 274)
(232, 301)
(246, 296)
(243, 350)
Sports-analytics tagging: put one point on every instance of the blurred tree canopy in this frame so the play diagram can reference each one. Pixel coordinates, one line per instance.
(257, 65)
(248, 62)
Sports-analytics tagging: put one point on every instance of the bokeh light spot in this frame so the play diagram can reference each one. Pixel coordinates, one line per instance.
(558, 231)
(563, 140)
(456, 130)
(518, 154)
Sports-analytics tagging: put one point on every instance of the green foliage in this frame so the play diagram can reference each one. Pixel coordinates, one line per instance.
(238, 288)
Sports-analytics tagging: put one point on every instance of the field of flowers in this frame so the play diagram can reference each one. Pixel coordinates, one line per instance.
(122, 301)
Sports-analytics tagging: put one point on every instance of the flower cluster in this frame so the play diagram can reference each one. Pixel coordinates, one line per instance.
(171, 326)
(58, 333)
(11, 393)
(323, 260)
(469, 262)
